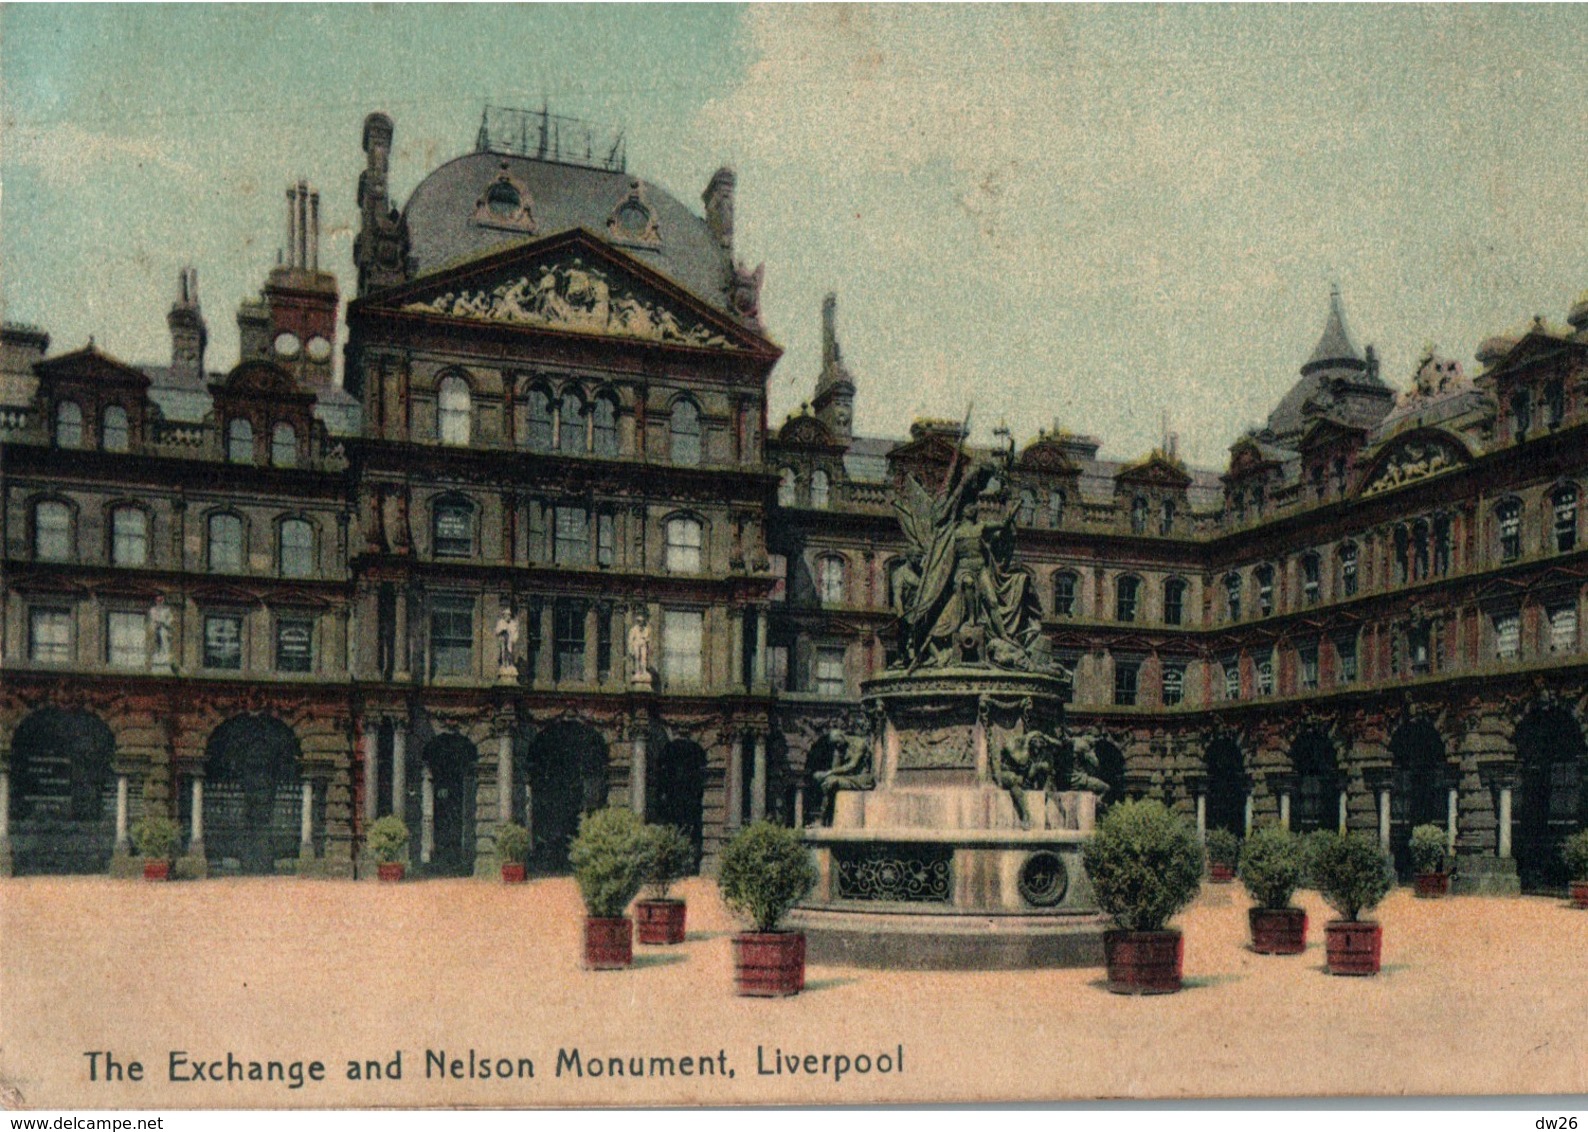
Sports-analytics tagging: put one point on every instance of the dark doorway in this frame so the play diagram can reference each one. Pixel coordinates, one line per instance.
(451, 761)
(567, 772)
(1419, 787)
(677, 788)
(63, 794)
(1551, 802)
(1226, 787)
(1317, 802)
(253, 803)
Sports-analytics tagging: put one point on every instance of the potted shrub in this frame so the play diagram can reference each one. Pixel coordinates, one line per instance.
(1224, 853)
(387, 841)
(156, 839)
(608, 859)
(669, 854)
(1145, 866)
(1574, 851)
(1272, 864)
(512, 850)
(1353, 874)
(1427, 850)
(766, 870)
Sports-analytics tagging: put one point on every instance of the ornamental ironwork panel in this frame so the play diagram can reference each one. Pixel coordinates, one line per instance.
(916, 874)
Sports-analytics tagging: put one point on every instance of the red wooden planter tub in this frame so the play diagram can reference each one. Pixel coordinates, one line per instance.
(1579, 893)
(608, 943)
(660, 921)
(512, 874)
(1430, 886)
(390, 871)
(1278, 931)
(1353, 946)
(769, 964)
(1221, 874)
(1143, 962)
(157, 870)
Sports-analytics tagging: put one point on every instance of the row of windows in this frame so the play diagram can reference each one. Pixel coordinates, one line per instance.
(572, 529)
(240, 443)
(55, 540)
(115, 431)
(50, 640)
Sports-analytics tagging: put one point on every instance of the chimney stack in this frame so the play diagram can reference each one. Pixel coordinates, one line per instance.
(718, 199)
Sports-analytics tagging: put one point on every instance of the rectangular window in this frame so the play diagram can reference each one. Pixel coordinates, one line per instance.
(129, 537)
(294, 644)
(1563, 629)
(1265, 591)
(1345, 649)
(1232, 596)
(830, 580)
(1309, 667)
(1566, 520)
(50, 636)
(604, 641)
(451, 636)
(606, 540)
(777, 667)
(1265, 676)
(1125, 682)
(223, 641)
(1173, 685)
(1508, 636)
(567, 624)
(1510, 532)
(571, 537)
(1311, 580)
(1348, 578)
(454, 532)
(830, 672)
(1419, 649)
(682, 635)
(1126, 591)
(1064, 595)
(1232, 679)
(1173, 601)
(127, 639)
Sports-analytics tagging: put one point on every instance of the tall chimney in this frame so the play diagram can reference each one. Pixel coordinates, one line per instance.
(829, 333)
(292, 226)
(314, 231)
(303, 225)
(718, 199)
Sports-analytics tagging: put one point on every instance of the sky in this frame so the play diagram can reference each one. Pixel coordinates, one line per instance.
(1082, 217)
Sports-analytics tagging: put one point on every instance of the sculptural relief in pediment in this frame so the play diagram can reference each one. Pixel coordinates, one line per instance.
(572, 295)
(1412, 460)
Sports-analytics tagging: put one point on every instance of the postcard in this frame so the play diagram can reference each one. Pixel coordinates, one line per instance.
(820, 556)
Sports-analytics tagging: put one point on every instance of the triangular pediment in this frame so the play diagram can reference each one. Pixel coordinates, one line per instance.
(1246, 457)
(1326, 431)
(1156, 470)
(1538, 343)
(1048, 455)
(1415, 456)
(573, 283)
(91, 365)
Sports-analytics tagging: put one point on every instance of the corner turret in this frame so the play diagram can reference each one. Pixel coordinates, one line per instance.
(835, 389)
(189, 335)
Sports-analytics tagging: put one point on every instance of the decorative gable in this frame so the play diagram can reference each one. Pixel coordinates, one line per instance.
(1157, 470)
(1416, 456)
(805, 431)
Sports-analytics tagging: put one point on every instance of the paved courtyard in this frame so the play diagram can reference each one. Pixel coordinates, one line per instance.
(1478, 995)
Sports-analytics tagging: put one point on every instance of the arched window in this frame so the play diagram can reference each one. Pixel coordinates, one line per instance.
(452, 534)
(52, 531)
(1173, 601)
(537, 420)
(68, 425)
(1232, 595)
(1138, 515)
(686, 434)
(1521, 412)
(830, 579)
(226, 544)
(604, 427)
(1564, 502)
(1265, 589)
(284, 445)
(296, 548)
(115, 434)
(1443, 544)
(1420, 557)
(570, 423)
(1348, 575)
(683, 545)
(129, 536)
(1311, 579)
(1065, 587)
(1403, 567)
(821, 492)
(787, 484)
(1127, 596)
(454, 410)
(1166, 517)
(240, 441)
(1055, 509)
(1508, 517)
(1026, 516)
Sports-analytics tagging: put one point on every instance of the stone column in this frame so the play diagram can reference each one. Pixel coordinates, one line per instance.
(1450, 821)
(399, 644)
(799, 806)
(591, 636)
(427, 817)
(1505, 822)
(399, 773)
(548, 646)
(122, 844)
(306, 822)
(637, 773)
(760, 647)
(504, 778)
(1202, 816)
(1250, 805)
(758, 781)
(196, 830)
(371, 775)
(1345, 800)
(1384, 818)
(1284, 809)
(736, 650)
(731, 784)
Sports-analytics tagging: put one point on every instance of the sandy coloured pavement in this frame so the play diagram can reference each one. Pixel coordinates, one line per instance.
(1478, 995)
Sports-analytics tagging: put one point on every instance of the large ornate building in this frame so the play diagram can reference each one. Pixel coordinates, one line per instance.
(540, 550)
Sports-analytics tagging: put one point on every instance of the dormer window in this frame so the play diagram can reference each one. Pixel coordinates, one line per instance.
(115, 435)
(68, 425)
(505, 204)
(633, 221)
(502, 201)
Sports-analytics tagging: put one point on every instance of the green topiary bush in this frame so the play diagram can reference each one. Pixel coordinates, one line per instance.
(1272, 863)
(1145, 865)
(1427, 849)
(669, 855)
(387, 839)
(1223, 847)
(765, 870)
(512, 844)
(1574, 851)
(156, 837)
(1311, 843)
(608, 859)
(1352, 873)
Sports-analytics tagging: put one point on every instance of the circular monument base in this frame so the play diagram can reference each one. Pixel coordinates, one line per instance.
(948, 941)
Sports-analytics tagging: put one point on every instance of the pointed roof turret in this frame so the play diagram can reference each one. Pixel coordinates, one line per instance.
(1335, 350)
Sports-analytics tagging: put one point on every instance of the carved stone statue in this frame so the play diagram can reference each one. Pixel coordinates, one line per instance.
(1084, 765)
(507, 643)
(161, 624)
(851, 768)
(959, 598)
(1025, 764)
(640, 650)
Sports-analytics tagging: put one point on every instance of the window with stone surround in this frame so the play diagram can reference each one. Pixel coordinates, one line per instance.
(1127, 594)
(787, 488)
(536, 433)
(570, 424)
(1564, 502)
(604, 426)
(1126, 674)
(1311, 579)
(284, 446)
(129, 536)
(1173, 684)
(682, 646)
(1563, 629)
(683, 545)
(68, 425)
(295, 551)
(1055, 509)
(50, 634)
(829, 671)
(453, 529)
(1232, 596)
(570, 541)
(1444, 544)
(606, 539)
(1508, 516)
(454, 411)
(1264, 576)
(223, 641)
(226, 544)
(1265, 675)
(1348, 569)
(1232, 678)
(451, 636)
(126, 638)
(830, 587)
(1026, 516)
(685, 428)
(52, 531)
(1166, 514)
(1345, 653)
(1174, 601)
(115, 433)
(1507, 635)
(240, 441)
(821, 489)
(1138, 515)
(568, 639)
(1307, 656)
(1064, 590)
(294, 644)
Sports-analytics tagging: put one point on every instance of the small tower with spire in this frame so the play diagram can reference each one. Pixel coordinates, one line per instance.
(835, 389)
(189, 335)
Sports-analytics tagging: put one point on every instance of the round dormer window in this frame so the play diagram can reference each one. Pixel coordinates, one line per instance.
(287, 344)
(633, 217)
(502, 201)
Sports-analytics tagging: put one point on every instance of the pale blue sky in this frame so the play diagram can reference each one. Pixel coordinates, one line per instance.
(1081, 215)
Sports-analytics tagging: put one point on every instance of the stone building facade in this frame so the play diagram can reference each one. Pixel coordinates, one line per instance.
(540, 550)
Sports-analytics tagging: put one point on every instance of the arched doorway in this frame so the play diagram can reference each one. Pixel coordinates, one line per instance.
(1111, 769)
(1317, 802)
(677, 789)
(63, 793)
(253, 801)
(1552, 800)
(1226, 786)
(567, 774)
(450, 760)
(1419, 786)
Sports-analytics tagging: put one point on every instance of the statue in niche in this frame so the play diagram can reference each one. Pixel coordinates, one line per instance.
(506, 642)
(640, 649)
(851, 768)
(161, 626)
(959, 598)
